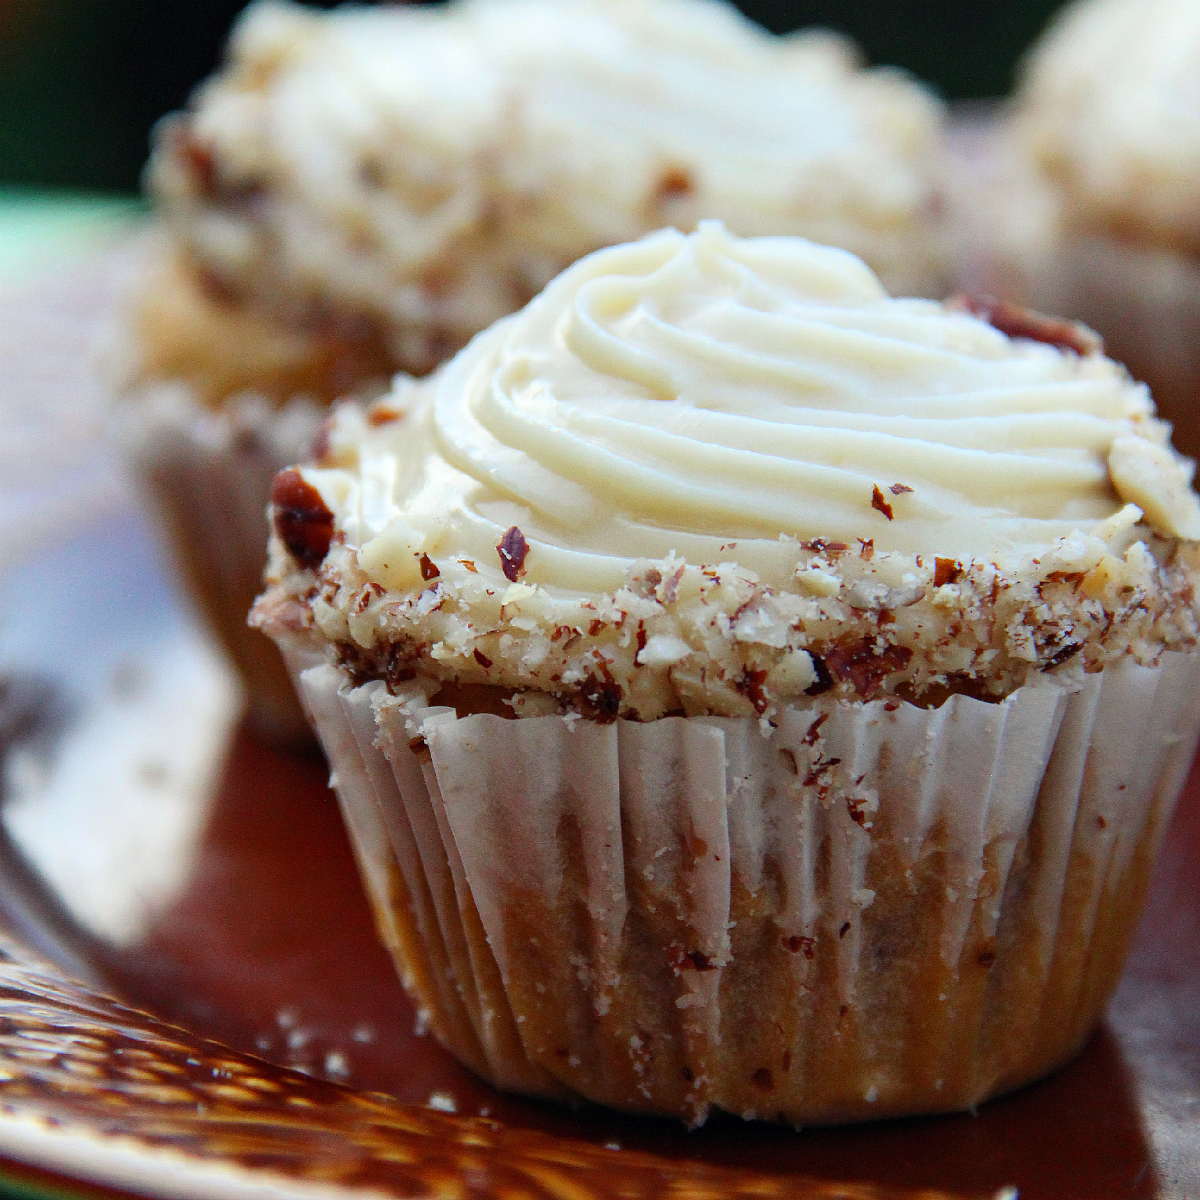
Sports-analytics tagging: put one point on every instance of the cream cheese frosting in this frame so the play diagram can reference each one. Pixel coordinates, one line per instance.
(433, 167)
(706, 474)
(1110, 105)
(683, 393)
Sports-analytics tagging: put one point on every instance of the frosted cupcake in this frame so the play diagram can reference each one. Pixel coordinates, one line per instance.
(1092, 207)
(362, 191)
(749, 691)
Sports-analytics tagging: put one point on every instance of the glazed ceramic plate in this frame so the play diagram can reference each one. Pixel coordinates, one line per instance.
(193, 1002)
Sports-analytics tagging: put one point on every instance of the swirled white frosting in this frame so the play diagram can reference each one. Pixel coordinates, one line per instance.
(1110, 104)
(721, 399)
(432, 167)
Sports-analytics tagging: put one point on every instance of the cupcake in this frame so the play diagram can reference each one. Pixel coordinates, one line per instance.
(1090, 208)
(749, 691)
(360, 192)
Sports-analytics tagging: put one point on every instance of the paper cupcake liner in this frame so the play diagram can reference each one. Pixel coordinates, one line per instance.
(871, 910)
(206, 477)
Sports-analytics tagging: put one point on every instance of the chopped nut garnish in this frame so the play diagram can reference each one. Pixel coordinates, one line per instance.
(1016, 322)
(301, 519)
(946, 570)
(814, 730)
(512, 550)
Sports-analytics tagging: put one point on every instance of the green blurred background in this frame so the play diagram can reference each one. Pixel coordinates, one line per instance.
(82, 81)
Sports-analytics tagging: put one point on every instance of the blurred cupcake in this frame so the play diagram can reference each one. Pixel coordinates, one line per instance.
(361, 192)
(1088, 204)
(748, 691)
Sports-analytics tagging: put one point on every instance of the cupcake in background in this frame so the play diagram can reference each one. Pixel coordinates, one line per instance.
(747, 691)
(360, 192)
(1082, 198)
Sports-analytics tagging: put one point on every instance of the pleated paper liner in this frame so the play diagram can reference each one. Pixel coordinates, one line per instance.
(870, 910)
(206, 477)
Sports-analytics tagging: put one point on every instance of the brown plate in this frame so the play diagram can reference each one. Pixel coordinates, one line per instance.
(193, 1002)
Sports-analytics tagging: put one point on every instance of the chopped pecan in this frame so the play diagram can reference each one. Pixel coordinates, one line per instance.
(751, 686)
(302, 521)
(824, 679)
(821, 546)
(814, 730)
(879, 504)
(512, 550)
(818, 769)
(858, 811)
(864, 667)
(946, 570)
(1064, 652)
(600, 699)
(1016, 322)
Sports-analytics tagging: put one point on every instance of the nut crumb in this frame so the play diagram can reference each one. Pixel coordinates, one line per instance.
(302, 521)
(946, 570)
(512, 550)
(879, 504)
(1016, 322)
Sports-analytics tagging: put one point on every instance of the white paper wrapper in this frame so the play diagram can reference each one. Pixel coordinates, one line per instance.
(876, 909)
(206, 475)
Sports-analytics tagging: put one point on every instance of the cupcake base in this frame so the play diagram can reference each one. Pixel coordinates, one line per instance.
(869, 911)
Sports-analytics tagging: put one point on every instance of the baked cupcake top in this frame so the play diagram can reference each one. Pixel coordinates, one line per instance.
(434, 167)
(707, 474)
(1110, 107)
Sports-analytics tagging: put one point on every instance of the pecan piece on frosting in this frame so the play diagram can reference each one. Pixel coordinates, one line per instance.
(302, 521)
(512, 550)
(879, 504)
(1016, 322)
